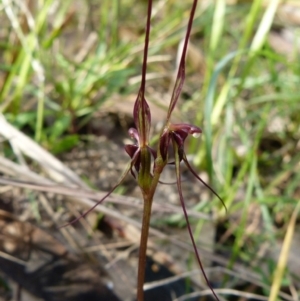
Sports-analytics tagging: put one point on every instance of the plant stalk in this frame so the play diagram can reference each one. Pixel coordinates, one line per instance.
(148, 199)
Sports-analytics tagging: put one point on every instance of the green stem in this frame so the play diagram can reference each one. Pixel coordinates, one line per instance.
(148, 186)
(148, 198)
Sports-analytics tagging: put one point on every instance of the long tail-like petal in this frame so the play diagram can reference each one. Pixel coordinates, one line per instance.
(178, 177)
(199, 179)
(181, 69)
(125, 173)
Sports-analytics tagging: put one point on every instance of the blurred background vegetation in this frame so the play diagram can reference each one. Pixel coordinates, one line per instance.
(63, 64)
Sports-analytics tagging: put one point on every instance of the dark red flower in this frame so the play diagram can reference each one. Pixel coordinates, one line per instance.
(178, 133)
(134, 151)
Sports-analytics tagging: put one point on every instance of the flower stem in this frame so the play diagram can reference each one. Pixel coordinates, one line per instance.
(148, 189)
(148, 198)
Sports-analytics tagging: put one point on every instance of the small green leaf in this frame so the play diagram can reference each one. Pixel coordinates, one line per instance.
(64, 144)
(60, 126)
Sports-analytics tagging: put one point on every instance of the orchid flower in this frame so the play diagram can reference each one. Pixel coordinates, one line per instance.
(143, 157)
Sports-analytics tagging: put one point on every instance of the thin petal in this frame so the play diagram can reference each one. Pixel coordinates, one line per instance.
(199, 179)
(177, 88)
(167, 183)
(178, 178)
(181, 70)
(100, 201)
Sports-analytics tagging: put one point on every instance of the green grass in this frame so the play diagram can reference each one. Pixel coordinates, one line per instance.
(60, 63)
